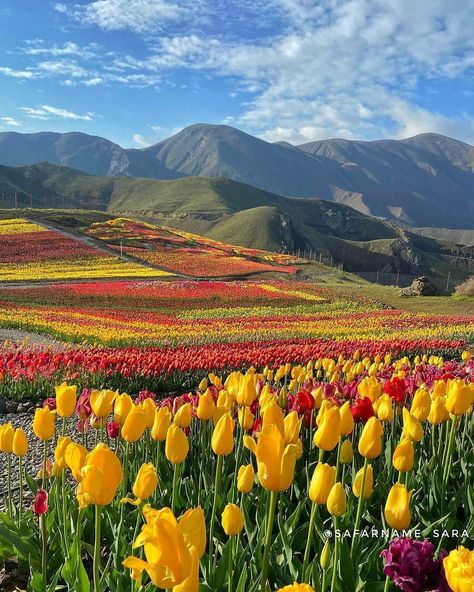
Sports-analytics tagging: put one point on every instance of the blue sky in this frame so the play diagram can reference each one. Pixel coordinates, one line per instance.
(137, 71)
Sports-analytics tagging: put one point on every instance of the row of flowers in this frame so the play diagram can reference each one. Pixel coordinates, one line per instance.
(247, 482)
(29, 252)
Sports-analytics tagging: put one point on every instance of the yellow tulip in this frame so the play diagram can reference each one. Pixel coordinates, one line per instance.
(404, 456)
(370, 442)
(161, 424)
(177, 445)
(275, 461)
(459, 396)
(171, 549)
(420, 405)
(203, 384)
(123, 404)
(135, 425)
(459, 569)
(145, 484)
(7, 435)
(438, 412)
(369, 482)
(412, 428)
(232, 520)
(246, 418)
(102, 402)
(75, 457)
(336, 502)
(43, 423)
(347, 420)
(245, 478)
(323, 479)
(384, 408)
(370, 387)
(20, 443)
(66, 397)
(149, 408)
(101, 477)
(183, 416)
(327, 435)
(205, 407)
(218, 413)
(397, 508)
(222, 441)
(247, 392)
(272, 415)
(60, 452)
(466, 356)
(439, 389)
(347, 453)
(292, 427)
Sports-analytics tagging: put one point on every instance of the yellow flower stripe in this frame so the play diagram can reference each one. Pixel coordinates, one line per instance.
(19, 226)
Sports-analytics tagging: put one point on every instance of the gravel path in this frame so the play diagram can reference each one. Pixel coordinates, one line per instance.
(34, 459)
(16, 335)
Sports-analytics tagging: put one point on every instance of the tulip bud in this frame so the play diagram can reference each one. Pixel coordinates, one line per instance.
(7, 435)
(466, 356)
(183, 416)
(102, 402)
(145, 482)
(323, 479)
(135, 425)
(412, 428)
(161, 424)
(245, 478)
(177, 445)
(113, 430)
(20, 443)
(404, 456)
(370, 442)
(347, 420)
(347, 453)
(369, 482)
(149, 408)
(384, 408)
(420, 405)
(336, 502)
(397, 507)
(222, 441)
(40, 505)
(65, 399)
(325, 558)
(122, 406)
(43, 423)
(205, 407)
(75, 457)
(232, 520)
(327, 435)
(60, 452)
(203, 384)
(459, 396)
(283, 398)
(438, 412)
(101, 476)
(247, 394)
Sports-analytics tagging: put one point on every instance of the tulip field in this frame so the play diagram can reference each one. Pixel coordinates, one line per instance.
(255, 433)
(347, 473)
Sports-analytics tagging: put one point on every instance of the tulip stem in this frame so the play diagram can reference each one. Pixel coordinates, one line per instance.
(44, 549)
(45, 462)
(309, 541)
(214, 504)
(386, 588)
(175, 487)
(336, 554)
(359, 505)
(96, 550)
(449, 453)
(20, 469)
(268, 539)
(230, 565)
(9, 485)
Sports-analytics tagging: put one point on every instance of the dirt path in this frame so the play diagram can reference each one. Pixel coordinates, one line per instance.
(17, 335)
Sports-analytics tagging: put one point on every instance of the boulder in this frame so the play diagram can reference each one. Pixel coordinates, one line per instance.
(421, 286)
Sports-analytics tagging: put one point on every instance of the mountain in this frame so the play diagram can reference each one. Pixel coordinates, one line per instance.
(425, 181)
(234, 213)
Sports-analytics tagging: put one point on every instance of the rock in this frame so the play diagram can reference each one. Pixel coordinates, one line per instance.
(420, 287)
(11, 406)
(3, 406)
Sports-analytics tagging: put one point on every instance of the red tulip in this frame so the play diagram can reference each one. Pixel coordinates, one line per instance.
(40, 505)
(362, 409)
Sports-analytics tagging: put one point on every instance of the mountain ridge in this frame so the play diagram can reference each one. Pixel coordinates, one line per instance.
(423, 181)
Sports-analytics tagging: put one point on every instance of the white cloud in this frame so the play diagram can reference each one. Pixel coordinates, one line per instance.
(13, 73)
(140, 140)
(139, 16)
(10, 121)
(46, 112)
(38, 47)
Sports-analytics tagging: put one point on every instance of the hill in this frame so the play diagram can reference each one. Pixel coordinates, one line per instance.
(235, 213)
(425, 181)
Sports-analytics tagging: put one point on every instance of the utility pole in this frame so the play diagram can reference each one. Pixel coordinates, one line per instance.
(377, 278)
(447, 283)
(398, 276)
(16, 201)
